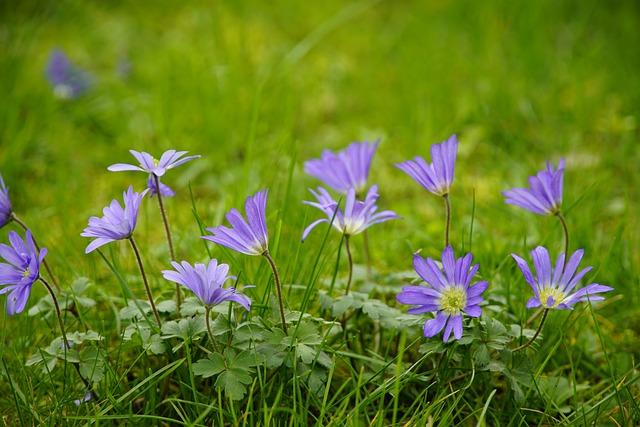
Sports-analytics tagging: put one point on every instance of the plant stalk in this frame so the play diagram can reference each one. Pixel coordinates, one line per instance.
(167, 230)
(144, 279)
(528, 343)
(276, 278)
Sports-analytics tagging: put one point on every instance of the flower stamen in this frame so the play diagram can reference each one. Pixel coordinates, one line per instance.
(453, 300)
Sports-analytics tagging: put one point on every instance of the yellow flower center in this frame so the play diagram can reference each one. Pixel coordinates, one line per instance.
(453, 300)
(557, 295)
(26, 272)
(155, 161)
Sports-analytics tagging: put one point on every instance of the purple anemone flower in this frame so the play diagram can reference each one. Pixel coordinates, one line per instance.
(247, 237)
(552, 287)
(206, 281)
(437, 176)
(169, 160)
(116, 223)
(356, 216)
(6, 212)
(67, 80)
(448, 293)
(20, 271)
(165, 190)
(345, 170)
(544, 196)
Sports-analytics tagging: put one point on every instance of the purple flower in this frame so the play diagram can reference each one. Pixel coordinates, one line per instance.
(248, 237)
(438, 175)
(20, 271)
(165, 190)
(357, 215)
(116, 223)
(6, 211)
(346, 170)
(206, 282)
(544, 196)
(68, 81)
(448, 293)
(552, 287)
(169, 160)
(86, 398)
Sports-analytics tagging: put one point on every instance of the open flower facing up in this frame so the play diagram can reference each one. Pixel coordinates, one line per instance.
(5, 204)
(348, 169)
(248, 237)
(116, 223)
(206, 281)
(20, 271)
(552, 286)
(357, 215)
(448, 293)
(169, 160)
(544, 196)
(67, 80)
(437, 176)
(165, 190)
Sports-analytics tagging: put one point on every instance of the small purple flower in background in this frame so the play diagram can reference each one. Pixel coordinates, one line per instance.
(544, 196)
(116, 223)
(247, 237)
(348, 169)
(86, 398)
(67, 80)
(356, 216)
(448, 294)
(165, 190)
(437, 176)
(20, 271)
(206, 281)
(552, 287)
(6, 212)
(169, 160)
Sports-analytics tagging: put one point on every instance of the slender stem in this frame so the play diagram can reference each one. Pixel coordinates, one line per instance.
(144, 279)
(528, 343)
(167, 230)
(207, 318)
(35, 242)
(447, 208)
(367, 253)
(276, 278)
(350, 258)
(566, 237)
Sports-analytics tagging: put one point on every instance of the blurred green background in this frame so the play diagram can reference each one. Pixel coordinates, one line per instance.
(258, 87)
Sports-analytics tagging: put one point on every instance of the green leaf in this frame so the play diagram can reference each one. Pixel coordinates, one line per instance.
(209, 367)
(92, 364)
(168, 306)
(233, 382)
(80, 285)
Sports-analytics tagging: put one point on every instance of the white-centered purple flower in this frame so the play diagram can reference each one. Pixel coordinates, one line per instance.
(67, 80)
(356, 216)
(165, 190)
(437, 176)
(117, 223)
(169, 160)
(206, 282)
(544, 195)
(245, 236)
(553, 287)
(448, 293)
(345, 170)
(6, 210)
(20, 271)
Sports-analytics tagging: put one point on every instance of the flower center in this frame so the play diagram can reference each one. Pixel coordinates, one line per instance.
(155, 162)
(555, 294)
(26, 273)
(453, 300)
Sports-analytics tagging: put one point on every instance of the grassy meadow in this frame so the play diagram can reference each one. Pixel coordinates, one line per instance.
(257, 88)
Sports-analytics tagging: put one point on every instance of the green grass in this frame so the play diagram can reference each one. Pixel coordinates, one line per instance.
(259, 87)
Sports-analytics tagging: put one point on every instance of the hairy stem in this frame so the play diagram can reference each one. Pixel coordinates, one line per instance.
(565, 229)
(350, 258)
(276, 278)
(533, 338)
(447, 209)
(35, 242)
(167, 231)
(144, 279)
(208, 320)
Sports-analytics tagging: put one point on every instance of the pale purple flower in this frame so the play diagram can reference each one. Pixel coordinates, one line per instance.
(437, 176)
(20, 271)
(169, 160)
(86, 398)
(356, 216)
(248, 237)
(552, 287)
(6, 212)
(544, 195)
(67, 80)
(165, 190)
(116, 223)
(345, 170)
(448, 294)
(206, 282)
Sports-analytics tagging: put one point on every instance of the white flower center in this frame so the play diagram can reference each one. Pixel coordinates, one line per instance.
(453, 300)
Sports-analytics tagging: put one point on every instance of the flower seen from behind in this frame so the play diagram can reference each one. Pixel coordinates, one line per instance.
(544, 195)
(149, 164)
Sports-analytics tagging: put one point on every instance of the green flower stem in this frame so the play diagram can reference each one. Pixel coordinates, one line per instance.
(528, 343)
(565, 229)
(207, 317)
(350, 258)
(144, 279)
(276, 278)
(167, 230)
(447, 209)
